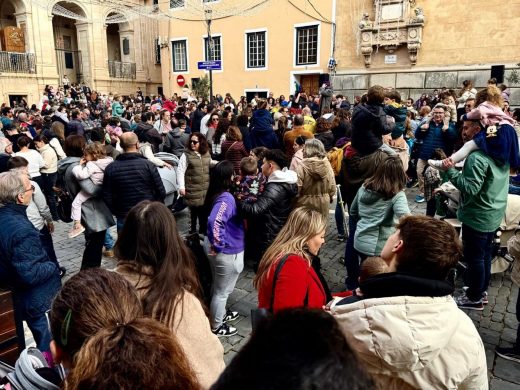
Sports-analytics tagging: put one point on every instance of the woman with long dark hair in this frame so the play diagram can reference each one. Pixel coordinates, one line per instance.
(224, 246)
(153, 258)
(193, 177)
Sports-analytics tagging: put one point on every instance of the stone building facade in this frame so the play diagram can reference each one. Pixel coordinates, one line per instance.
(101, 44)
(458, 40)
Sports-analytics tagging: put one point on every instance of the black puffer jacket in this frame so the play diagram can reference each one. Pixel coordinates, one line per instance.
(268, 214)
(369, 124)
(130, 179)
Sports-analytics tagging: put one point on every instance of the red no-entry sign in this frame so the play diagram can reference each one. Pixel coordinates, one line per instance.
(181, 80)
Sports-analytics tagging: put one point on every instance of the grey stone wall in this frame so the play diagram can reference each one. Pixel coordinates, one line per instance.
(414, 84)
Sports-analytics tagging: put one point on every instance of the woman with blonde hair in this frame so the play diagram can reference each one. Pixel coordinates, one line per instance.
(103, 340)
(316, 183)
(154, 258)
(289, 260)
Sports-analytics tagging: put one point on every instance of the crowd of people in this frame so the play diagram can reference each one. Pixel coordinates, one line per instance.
(258, 178)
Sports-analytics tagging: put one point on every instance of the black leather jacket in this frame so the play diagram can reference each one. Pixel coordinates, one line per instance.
(269, 213)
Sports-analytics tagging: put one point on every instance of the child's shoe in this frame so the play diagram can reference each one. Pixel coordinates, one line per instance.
(76, 230)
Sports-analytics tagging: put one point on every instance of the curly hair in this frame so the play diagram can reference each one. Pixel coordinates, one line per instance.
(95, 150)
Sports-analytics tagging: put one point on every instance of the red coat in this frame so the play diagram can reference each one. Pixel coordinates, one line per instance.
(295, 280)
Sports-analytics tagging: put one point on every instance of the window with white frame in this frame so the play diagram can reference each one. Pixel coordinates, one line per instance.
(256, 47)
(216, 50)
(307, 45)
(179, 56)
(177, 3)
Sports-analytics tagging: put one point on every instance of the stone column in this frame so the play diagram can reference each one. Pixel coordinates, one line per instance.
(84, 38)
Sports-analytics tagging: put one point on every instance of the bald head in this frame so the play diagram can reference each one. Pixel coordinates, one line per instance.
(128, 142)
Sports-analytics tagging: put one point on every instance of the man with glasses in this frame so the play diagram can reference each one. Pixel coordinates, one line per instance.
(432, 138)
(25, 267)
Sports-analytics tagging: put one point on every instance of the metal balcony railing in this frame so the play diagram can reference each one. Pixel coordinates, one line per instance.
(11, 62)
(121, 70)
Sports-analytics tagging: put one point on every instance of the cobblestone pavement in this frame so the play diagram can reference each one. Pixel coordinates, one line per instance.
(496, 324)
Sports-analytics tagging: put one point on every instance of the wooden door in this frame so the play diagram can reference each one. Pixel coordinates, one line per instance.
(310, 83)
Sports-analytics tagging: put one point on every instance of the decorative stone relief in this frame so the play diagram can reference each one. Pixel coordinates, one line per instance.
(396, 23)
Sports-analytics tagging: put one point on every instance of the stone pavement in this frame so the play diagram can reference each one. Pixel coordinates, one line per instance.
(496, 324)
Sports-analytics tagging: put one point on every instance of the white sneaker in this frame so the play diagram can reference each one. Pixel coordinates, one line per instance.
(76, 231)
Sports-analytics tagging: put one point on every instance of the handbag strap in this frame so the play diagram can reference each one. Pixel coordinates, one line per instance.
(276, 273)
(227, 151)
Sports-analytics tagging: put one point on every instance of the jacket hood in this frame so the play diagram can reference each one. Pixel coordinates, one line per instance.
(262, 113)
(176, 132)
(283, 176)
(400, 334)
(369, 197)
(65, 163)
(372, 110)
(315, 167)
(103, 162)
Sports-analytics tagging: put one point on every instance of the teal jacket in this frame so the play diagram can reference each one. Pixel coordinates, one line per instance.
(117, 109)
(376, 219)
(399, 114)
(483, 185)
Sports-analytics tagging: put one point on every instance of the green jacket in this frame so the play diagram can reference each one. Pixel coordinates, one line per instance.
(376, 219)
(483, 186)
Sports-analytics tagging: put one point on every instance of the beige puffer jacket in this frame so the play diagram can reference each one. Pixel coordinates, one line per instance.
(415, 342)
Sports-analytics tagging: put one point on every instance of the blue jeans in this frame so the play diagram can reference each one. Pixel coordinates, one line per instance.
(477, 255)
(339, 220)
(226, 269)
(351, 257)
(109, 241)
(120, 221)
(47, 244)
(40, 329)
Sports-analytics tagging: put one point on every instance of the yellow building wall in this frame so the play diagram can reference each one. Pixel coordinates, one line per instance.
(278, 18)
(456, 33)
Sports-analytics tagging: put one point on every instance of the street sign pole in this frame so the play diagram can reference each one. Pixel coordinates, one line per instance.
(209, 50)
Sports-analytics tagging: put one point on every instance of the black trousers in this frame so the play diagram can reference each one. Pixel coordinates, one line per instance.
(93, 250)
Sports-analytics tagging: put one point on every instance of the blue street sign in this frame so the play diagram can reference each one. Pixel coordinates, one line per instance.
(207, 65)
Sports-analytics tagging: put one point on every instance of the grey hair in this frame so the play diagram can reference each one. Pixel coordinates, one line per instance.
(314, 148)
(11, 185)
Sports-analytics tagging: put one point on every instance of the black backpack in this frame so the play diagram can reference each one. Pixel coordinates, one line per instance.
(64, 205)
(64, 199)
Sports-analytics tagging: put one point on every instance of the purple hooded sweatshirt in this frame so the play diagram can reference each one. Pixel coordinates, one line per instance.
(225, 226)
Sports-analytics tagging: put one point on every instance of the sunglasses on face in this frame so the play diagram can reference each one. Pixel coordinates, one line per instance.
(194, 142)
(215, 119)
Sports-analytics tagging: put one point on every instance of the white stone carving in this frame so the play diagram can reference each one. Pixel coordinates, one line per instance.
(396, 23)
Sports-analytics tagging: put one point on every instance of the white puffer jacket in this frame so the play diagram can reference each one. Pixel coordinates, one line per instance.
(415, 342)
